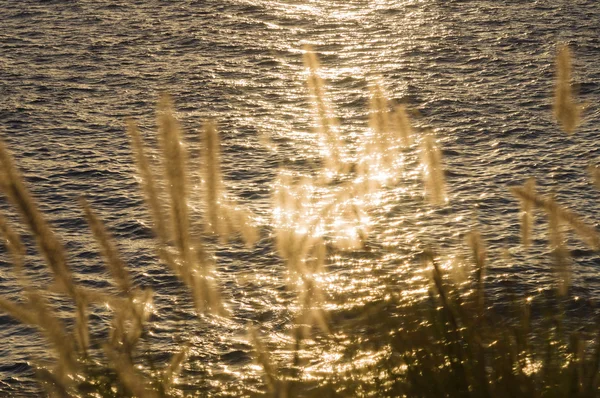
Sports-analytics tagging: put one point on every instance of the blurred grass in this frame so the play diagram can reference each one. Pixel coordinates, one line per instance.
(450, 345)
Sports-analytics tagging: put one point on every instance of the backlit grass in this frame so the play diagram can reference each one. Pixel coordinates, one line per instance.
(451, 344)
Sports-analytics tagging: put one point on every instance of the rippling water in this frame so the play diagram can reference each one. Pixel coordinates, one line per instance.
(479, 72)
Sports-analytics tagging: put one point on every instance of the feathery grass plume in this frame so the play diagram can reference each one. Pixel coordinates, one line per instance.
(51, 384)
(95, 297)
(566, 111)
(560, 253)
(205, 292)
(174, 159)
(296, 220)
(438, 283)
(479, 253)
(20, 312)
(127, 324)
(380, 124)
(286, 215)
(402, 126)
(15, 247)
(458, 271)
(433, 172)
(585, 232)
(48, 243)
(527, 216)
(267, 142)
(270, 374)
(142, 309)
(318, 256)
(82, 333)
(115, 265)
(224, 216)
(595, 174)
(213, 180)
(54, 331)
(134, 383)
(172, 370)
(151, 196)
(241, 219)
(348, 222)
(311, 311)
(327, 125)
(309, 265)
(378, 155)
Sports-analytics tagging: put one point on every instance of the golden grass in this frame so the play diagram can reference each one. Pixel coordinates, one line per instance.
(456, 348)
(566, 111)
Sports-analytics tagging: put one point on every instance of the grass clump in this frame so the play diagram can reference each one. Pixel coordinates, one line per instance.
(450, 344)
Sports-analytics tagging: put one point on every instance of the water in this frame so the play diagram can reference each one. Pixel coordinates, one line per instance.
(479, 72)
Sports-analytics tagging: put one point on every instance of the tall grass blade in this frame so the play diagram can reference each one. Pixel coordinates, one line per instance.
(50, 247)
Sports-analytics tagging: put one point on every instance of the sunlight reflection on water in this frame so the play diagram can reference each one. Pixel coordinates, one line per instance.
(478, 72)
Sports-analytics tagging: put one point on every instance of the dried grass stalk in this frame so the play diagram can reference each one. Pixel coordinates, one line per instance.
(263, 358)
(311, 313)
(174, 367)
(15, 247)
(113, 261)
(566, 111)
(560, 253)
(206, 294)
(54, 331)
(242, 220)
(585, 232)
(54, 387)
(19, 312)
(433, 172)
(212, 178)
(527, 216)
(224, 216)
(402, 126)
(151, 196)
(479, 253)
(379, 121)
(82, 334)
(132, 381)
(174, 160)
(595, 174)
(327, 125)
(48, 243)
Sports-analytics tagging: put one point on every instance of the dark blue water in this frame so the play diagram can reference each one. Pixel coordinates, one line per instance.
(479, 72)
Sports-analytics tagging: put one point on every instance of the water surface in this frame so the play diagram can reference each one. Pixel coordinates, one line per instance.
(479, 72)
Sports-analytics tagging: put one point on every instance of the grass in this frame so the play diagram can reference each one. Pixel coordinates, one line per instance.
(451, 344)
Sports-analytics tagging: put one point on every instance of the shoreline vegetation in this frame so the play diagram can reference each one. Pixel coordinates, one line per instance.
(450, 344)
